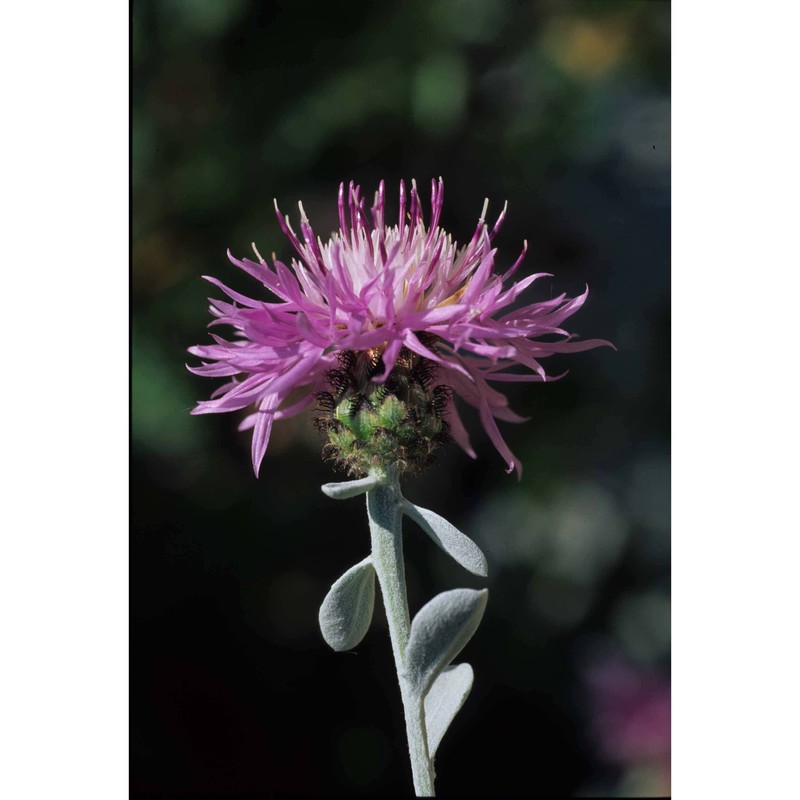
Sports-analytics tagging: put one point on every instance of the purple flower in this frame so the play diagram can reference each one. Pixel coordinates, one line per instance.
(376, 288)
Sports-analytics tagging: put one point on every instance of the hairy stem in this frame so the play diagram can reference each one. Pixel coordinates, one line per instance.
(385, 523)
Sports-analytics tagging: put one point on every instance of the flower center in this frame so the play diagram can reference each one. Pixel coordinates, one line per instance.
(396, 424)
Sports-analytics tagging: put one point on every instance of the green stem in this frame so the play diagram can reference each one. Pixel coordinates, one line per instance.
(385, 524)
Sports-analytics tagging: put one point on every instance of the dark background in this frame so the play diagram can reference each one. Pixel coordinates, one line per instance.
(561, 108)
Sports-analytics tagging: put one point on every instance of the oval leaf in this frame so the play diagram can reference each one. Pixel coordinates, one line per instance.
(443, 701)
(439, 632)
(345, 489)
(346, 611)
(449, 538)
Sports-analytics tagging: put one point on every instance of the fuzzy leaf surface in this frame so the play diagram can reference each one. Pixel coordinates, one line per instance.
(443, 701)
(346, 489)
(346, 611)
(456, 544)
(439, 632)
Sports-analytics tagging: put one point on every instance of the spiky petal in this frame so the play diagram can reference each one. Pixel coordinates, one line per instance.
(375, 287)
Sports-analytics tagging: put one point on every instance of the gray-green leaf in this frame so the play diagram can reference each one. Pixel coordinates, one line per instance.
(346, 611)
(449, 538)
(345, 489)
(443, 701)
(439, 632)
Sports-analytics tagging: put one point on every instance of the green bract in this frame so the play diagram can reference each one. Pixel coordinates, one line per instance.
(396, 424)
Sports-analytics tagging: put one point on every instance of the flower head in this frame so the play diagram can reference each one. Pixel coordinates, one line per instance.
(375, 303)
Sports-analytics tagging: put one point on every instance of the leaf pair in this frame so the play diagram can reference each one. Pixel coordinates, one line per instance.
(439, 632)
(456, 544)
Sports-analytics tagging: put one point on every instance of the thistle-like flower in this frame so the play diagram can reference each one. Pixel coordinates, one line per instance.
(382, 327)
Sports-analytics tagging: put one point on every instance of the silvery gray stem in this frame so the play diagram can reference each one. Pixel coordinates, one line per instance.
(384, 509)
(432, 688)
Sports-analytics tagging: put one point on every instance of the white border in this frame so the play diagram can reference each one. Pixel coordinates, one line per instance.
(735, 474)
(63, 568)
